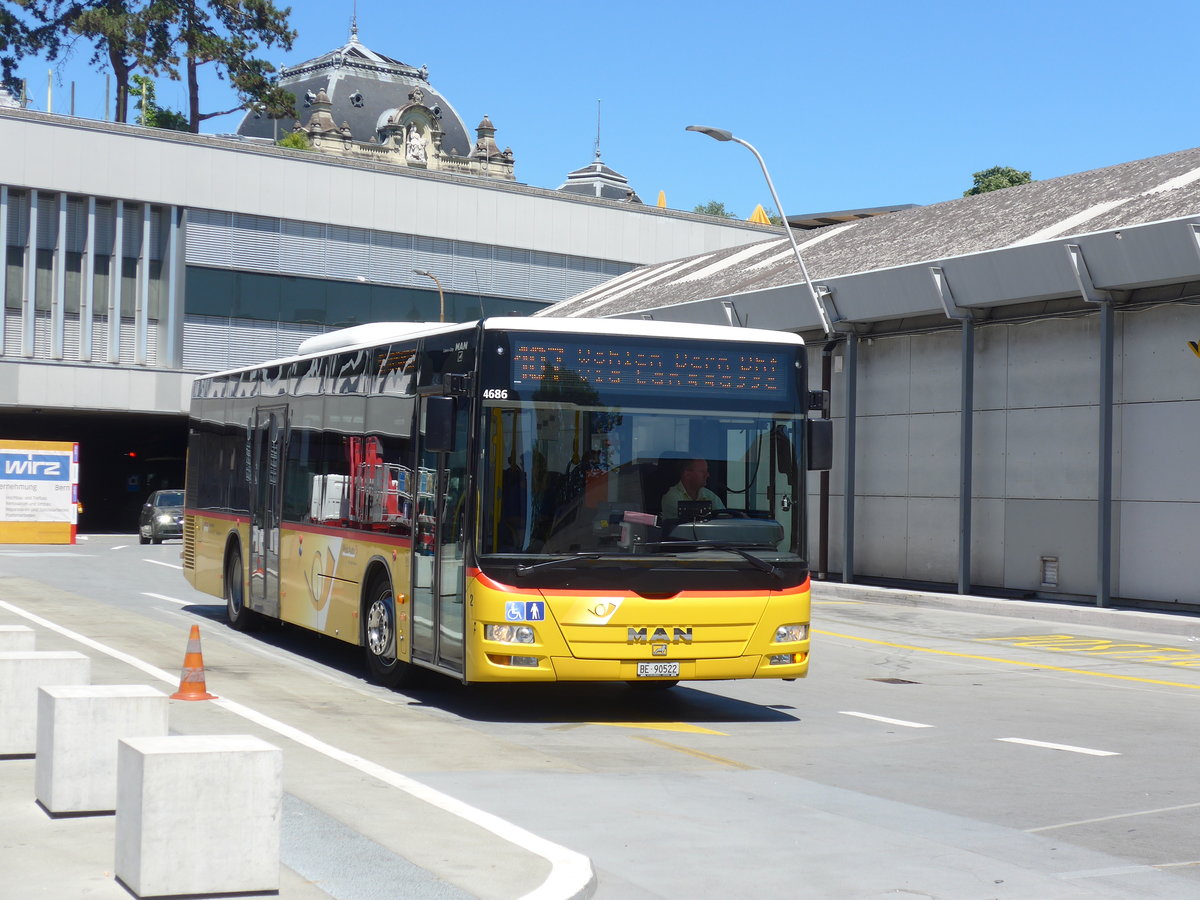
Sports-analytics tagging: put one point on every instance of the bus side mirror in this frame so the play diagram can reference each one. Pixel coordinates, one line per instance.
(818, 444)
(439, 424)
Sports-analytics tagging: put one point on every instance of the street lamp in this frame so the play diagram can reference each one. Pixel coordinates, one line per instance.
(720, 134)
(441, 296)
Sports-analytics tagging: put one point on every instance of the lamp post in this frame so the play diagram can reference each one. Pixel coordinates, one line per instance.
(441, 296)
(719, 134)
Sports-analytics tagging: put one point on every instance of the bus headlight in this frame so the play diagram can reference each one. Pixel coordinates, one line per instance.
(509, 634)
(786, 634)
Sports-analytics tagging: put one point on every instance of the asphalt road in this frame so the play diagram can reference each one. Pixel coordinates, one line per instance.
(941, 747)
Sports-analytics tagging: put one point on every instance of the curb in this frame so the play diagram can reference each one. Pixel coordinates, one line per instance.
(1177, 624)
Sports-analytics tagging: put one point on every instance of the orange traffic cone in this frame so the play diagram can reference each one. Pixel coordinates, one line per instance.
(191, 680)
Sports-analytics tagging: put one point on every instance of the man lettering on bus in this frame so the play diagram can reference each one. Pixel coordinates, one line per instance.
(692, 478)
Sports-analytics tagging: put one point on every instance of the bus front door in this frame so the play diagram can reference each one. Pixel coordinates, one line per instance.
(438, 579)
(265, 502)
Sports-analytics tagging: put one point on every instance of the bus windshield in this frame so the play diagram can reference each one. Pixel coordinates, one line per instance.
(563, 480)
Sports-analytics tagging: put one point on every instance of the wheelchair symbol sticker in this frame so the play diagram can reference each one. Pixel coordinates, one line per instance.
(525, 611)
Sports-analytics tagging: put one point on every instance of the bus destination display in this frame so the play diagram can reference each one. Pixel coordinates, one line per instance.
(714, 370)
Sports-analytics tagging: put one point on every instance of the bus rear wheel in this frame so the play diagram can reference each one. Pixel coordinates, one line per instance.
(380, 637)
(240, 617)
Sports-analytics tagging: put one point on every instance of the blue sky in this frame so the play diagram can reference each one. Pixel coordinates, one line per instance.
(853, 104)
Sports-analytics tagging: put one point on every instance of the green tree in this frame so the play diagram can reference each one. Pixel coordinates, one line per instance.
(714, 208)
(774, 217)
(152, 115)
(125, 36)
(296, 140)
(171, 38)
(14, 39)
(225, 34)
(995, 179)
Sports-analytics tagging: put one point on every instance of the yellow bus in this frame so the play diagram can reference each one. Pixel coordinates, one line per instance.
(517, 499)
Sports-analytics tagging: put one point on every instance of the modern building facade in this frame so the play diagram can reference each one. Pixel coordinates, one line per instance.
(1015, 380)
(136, 258)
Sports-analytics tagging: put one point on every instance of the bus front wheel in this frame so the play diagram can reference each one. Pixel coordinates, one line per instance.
(381, 638)
(240, 618)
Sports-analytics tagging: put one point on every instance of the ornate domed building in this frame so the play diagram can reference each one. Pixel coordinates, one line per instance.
(357, 103)
(598, 180)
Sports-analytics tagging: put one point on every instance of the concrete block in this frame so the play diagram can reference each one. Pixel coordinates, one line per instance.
(198, 814)
(16, 637)
(78, 727)
(21, 674)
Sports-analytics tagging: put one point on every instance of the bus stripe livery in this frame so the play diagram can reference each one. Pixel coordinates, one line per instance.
(516, 500)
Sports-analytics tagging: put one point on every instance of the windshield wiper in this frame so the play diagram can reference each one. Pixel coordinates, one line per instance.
(742, 549)
(562, 560)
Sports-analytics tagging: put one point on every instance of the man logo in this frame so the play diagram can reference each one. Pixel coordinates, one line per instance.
(660, 635)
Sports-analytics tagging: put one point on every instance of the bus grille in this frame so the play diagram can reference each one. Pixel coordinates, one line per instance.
(189, 542)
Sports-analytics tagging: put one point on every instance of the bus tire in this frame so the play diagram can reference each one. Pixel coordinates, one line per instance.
(240, 617)
(380, 636)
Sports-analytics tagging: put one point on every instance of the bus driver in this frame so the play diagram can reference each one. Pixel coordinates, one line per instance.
(692, 478)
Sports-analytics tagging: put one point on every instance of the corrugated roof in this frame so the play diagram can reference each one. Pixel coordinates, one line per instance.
(1134, 193)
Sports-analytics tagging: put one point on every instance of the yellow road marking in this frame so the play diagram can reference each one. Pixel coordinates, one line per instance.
(663, 726)
(688, 750)
(1069, 643)
(1009, 662)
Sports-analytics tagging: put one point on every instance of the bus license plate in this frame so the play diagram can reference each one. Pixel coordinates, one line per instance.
(658, 670)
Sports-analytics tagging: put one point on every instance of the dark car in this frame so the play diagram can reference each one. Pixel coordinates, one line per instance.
(162, 517)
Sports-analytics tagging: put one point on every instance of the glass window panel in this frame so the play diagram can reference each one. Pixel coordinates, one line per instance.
(45, 278)
(257, 296)
(14, 270)
(209, 292)
(303, 300)
(74, 282)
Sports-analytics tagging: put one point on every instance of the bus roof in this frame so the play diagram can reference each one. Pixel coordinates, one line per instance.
(377, 333)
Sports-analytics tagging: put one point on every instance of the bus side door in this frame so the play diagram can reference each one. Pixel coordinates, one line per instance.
(445, 367)
(266, 501)
(439, 621)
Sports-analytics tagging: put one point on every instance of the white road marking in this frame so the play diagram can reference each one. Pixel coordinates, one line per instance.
(571, 873)
(1066, 747)
(168, 599)
(1105, 873)
(885, 719)
(168, 565)
(119, 547)
(39, 553)
(1141, 812)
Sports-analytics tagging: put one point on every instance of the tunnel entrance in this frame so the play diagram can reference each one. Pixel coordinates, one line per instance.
(123, 457)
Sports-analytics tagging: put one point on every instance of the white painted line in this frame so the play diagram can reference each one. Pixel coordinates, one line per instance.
(168, 565)
(34, 554)
(119, 547)
(168, 599)
(1066, 747)
(885, 719)
(571, 873)
(1105, 873)
(1140, 812)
